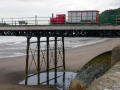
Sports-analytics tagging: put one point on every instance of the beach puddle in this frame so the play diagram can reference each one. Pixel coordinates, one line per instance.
(63, 79)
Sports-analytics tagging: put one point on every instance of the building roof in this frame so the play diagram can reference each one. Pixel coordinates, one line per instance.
(85, 11)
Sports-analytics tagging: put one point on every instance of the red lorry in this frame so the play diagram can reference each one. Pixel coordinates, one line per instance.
(60, 18)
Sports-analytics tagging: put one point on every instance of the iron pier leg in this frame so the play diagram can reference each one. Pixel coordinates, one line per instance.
(48, 60)
(38, 59)
(63, 53)
(27, 60)
(55, 60)
(63, 47)
(63, 80)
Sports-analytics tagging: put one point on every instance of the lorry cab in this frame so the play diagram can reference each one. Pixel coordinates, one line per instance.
(59, 19)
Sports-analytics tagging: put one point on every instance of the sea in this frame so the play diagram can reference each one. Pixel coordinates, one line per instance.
(16, 46)
(11, 46)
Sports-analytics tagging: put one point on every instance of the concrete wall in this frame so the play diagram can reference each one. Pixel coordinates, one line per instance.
(111, 79)
(85, 79)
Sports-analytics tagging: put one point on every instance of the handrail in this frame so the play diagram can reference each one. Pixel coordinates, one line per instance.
(45, 20)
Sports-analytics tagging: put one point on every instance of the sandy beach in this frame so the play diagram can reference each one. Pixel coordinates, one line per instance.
(12, 69)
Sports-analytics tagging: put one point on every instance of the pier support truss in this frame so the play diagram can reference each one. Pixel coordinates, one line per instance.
(44, 56)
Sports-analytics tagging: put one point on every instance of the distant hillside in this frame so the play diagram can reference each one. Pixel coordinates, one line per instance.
(109, 16)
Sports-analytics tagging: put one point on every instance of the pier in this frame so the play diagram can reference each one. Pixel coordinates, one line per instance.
(61, 31)
(49, 58)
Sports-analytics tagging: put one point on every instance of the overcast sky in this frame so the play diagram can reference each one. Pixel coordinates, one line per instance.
(24, 8)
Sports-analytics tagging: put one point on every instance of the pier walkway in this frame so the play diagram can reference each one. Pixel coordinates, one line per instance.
(61, 31)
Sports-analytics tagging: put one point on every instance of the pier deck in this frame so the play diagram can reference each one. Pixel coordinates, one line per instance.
(61, 31)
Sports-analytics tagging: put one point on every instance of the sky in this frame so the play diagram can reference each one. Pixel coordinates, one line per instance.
(44, 8)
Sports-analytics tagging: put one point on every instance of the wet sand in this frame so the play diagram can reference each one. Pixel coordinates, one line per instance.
(12, 69)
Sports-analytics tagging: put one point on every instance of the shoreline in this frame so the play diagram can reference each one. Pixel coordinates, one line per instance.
(12, 68)
(88, 52)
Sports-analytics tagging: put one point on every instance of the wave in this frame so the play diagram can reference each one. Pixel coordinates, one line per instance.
(16, 46)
